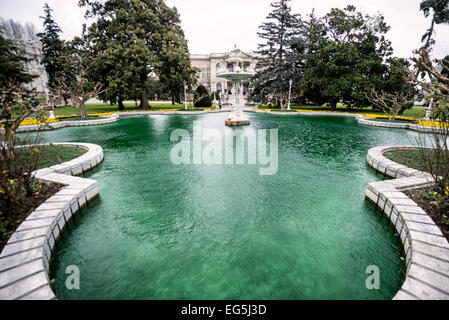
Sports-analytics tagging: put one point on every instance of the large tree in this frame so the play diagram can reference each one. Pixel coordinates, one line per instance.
(175, 66)
(440, 10)
(12, 63)
(52, 47)
(282, 52)
(76, 60)
(133, 40)
(347, 58)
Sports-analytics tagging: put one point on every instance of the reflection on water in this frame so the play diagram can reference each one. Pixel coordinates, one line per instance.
(164, 231)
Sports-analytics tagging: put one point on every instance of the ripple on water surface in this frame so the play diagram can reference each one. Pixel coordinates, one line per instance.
(160, 231)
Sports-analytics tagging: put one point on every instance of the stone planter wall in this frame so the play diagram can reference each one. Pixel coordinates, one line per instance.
(114, 117)
(25, 260)
(426, 249)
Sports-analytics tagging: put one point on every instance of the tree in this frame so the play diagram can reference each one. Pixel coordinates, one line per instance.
(282, 53)
(175, 66)
(79, 90)
(117, 40)
(283, 96)
(436, 70)
(202, 98)
(346, 58)
(391, 103)
(13, 99)
(12, 63)
(16, 179)
(437, 158)
(52, 47)
(133, 40)
(440, 9)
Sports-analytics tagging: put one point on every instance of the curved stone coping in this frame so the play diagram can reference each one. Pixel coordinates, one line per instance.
(410, 126)
(25, 260)
(106, 120)
(115, 116)
(360, 119)
(425, 247)
(65, 124)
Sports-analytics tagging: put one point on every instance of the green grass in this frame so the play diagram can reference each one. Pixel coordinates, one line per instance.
(81, 119)
(413, 158)
(105, 107)
(395, 121)
(52, 155)
(415, 112)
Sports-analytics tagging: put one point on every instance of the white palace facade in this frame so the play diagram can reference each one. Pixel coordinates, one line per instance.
(209, 64)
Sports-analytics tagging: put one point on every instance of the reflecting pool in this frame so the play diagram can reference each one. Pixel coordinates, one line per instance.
(165, 231)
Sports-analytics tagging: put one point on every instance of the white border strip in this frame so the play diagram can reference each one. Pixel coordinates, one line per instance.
(425, 247)
(25, 260)
(116, 116)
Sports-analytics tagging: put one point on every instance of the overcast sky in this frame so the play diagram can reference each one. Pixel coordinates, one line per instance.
(216, 25)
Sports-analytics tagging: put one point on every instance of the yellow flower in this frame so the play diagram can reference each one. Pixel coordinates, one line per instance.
(11, 181)
(435, 193)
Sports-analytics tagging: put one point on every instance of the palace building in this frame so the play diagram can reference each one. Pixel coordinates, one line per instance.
(209, 64)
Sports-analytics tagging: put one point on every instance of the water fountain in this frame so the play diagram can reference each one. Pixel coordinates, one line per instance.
(233, 70)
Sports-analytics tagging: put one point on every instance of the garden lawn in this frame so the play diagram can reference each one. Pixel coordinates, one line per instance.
(106, 107)
(412, 158)
(415, 112)
(53, 154)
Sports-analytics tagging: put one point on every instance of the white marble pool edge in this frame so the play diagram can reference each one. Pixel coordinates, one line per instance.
(25, 260)
(425, 248)
(114, 117)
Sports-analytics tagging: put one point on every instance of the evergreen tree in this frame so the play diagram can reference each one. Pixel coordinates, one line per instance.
(132, 40)
(440, 9)
(202, 98)
(282, 53)
(12, 63)
(348, 61)
(175, 66)
(52, 47)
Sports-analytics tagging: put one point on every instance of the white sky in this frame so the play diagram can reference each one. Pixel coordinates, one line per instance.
(216, 25)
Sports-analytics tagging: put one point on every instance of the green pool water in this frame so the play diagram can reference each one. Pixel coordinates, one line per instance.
(164, 231)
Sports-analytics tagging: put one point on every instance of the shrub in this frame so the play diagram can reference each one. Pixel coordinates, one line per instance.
(437, 160)
(202, 98)
(16, 181)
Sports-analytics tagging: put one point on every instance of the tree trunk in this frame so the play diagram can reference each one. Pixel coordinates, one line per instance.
(83, 110)
(173, 100)
(333, 106)
(121, 107)
(10, 142)
(429, 38)
(144, 102)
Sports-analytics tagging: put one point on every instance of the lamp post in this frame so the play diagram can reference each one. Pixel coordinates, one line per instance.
(289, 93)
(185, 94)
